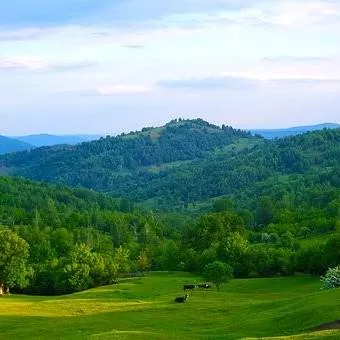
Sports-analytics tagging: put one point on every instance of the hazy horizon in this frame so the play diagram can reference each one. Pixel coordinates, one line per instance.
(105, 67)
(79, 134)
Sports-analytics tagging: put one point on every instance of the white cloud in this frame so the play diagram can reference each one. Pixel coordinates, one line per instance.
(148, 51)
(264, 13)
(311, 13)
(291, 67)
(121, 89)
(29, 63)
(210, 83)
(24, 34)
(23, 63)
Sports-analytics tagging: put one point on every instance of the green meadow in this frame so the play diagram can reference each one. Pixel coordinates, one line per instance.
(143, 308)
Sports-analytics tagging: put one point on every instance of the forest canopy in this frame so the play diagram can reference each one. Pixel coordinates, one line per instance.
(180, 197)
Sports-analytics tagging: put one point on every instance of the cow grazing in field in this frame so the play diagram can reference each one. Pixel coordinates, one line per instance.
(189, 287)
(181, 299)
(204, 286)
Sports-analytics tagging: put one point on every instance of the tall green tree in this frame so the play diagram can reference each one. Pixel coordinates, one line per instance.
(14, 252)
(121, 262)
(218, 273)
(78, 268)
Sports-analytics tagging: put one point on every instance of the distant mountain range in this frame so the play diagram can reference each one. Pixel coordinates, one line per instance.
(22, 143)
(8, 145)
(281, 133)
(50, 140)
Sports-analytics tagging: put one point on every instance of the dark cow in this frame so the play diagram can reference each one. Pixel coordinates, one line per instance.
(189, 287)
(181, 299)
(204, 286)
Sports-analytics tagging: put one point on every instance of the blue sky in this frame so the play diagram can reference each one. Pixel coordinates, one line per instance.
(106, 66)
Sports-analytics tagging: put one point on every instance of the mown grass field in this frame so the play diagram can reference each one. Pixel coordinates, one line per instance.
(144, 309)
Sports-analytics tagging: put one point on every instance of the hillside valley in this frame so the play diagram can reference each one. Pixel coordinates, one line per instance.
(187, 199)
(170, 170)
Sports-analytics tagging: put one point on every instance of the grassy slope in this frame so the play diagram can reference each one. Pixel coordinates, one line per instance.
(143, 309)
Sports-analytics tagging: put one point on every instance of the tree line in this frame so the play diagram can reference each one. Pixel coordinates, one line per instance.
(57, 240)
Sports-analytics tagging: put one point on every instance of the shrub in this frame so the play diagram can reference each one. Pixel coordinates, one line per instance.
(332, 278)
(218, 273)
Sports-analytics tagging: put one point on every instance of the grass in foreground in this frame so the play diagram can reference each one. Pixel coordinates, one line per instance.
(144, 309)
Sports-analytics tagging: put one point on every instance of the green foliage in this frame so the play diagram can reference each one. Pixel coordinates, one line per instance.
(78, 268)
(235, 252)
(331, 279)
(14, 252)
(107, 164)
(316, 256)
(213, 229)
(289, 183)
(267, 261)
(267, 196)
(170, 255)
(121, 260)
(223, 204)
(332, 251)
(265, 212)
(218, 273)
(143, 261)
(212, 201)
(77, 238)
(119, 243)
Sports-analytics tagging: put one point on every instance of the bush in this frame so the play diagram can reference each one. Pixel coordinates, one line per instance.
(218, 273)
(332, 278)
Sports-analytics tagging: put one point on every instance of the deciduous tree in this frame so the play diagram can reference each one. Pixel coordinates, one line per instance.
(218, 272)
(14, 252)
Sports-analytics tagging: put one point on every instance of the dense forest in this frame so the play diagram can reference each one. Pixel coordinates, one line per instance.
(182, 163)
(56, 240)
(103, 165)
(178, 197)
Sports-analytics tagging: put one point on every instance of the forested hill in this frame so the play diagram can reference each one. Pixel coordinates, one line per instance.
(279, 193)
(185, 162)
(74, 239)
(96, 164)
(233, 170)
(8, 145)
(21, 198)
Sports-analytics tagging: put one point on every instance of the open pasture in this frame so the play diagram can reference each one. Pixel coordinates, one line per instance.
(144, 308)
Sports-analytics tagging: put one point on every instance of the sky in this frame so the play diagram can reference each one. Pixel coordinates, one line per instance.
(107, 66)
